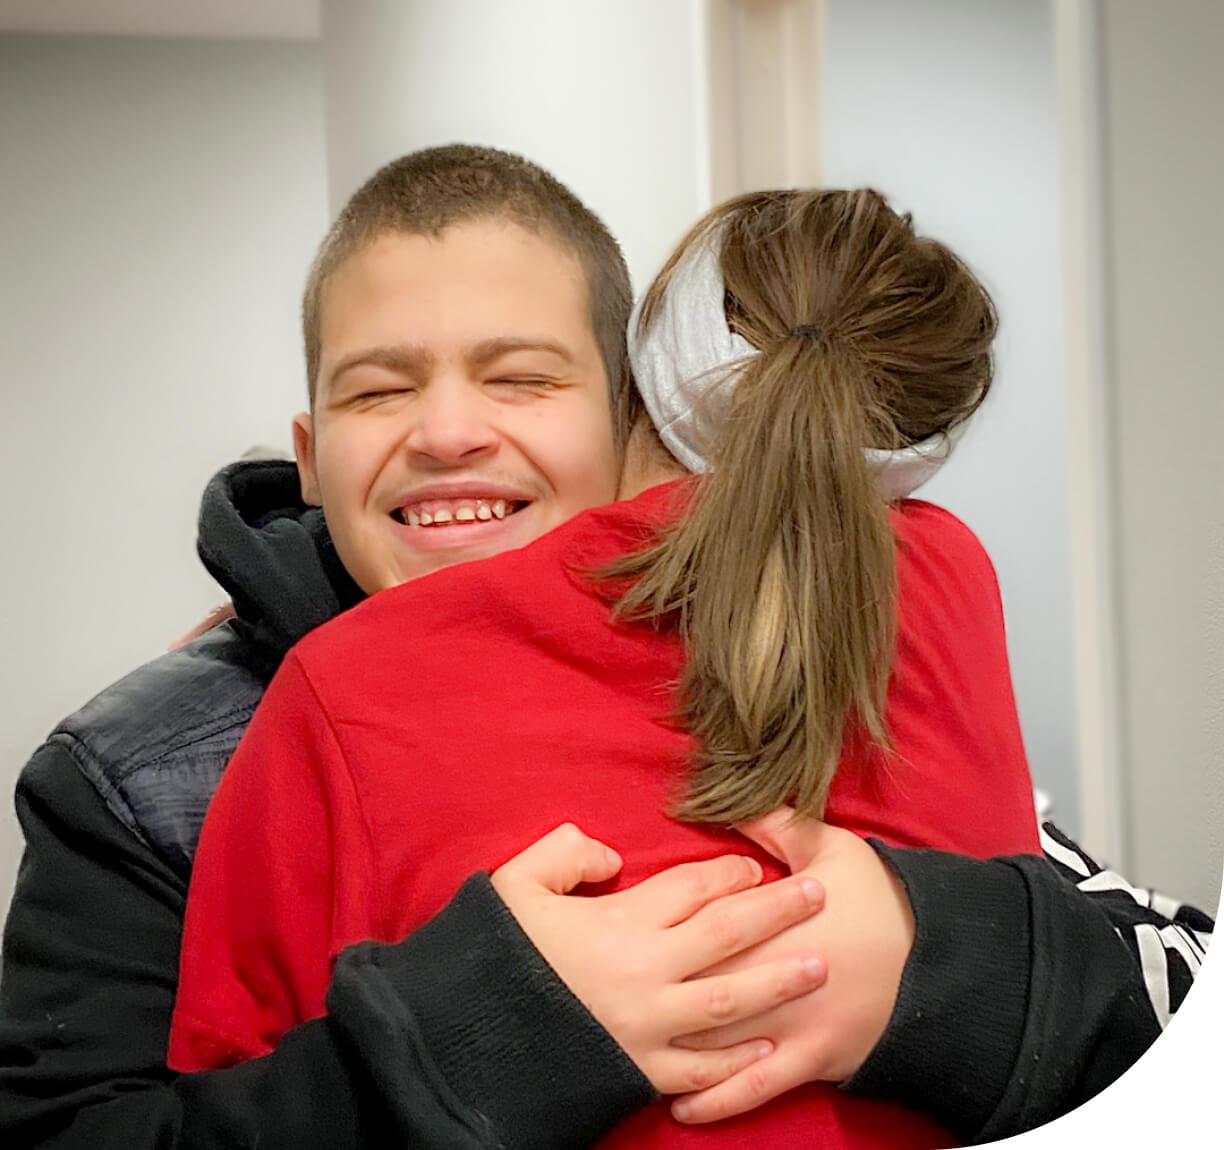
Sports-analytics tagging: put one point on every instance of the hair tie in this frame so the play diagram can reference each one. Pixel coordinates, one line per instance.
(687, 363)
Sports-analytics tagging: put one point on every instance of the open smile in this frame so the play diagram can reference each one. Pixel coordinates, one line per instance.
(460, 516)
(450, 513)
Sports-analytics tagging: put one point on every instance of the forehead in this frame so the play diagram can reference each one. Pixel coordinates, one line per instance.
(470, 282)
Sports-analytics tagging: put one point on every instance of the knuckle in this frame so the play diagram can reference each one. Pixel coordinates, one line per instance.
(720, 1001)
(701, 1075)
(631, 967)
(725, 929)
(784, 984)
(696, 883)
(637, 969)
(756, 1082)
(739, 871)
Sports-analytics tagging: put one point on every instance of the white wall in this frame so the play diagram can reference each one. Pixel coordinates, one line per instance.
(1161, 94)
(159, 205)
(603, 93)
(947, 107)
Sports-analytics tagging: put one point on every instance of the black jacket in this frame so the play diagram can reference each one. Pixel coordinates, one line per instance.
(460, 1035)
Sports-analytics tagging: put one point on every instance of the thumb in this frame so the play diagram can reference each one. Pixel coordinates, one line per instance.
(561, 860)
(790, 837)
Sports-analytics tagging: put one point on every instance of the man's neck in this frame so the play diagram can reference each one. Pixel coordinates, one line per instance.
(647, 463)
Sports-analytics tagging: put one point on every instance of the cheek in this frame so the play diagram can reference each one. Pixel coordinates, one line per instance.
(585, 472)
(346, 464)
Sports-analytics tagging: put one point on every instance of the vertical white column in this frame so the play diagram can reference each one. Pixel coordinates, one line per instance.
(1091, 470)
(1160, 88)
(606, 94)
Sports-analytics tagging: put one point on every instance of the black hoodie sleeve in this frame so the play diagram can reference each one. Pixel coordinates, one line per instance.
(1033, 984)
(460, 1036)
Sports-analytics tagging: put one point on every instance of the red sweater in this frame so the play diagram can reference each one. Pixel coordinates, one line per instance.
(442, 726)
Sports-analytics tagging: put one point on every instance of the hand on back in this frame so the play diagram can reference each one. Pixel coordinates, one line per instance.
(865, 933)
(634, 958)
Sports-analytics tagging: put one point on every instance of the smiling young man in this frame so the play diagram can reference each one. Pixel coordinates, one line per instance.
(464, 328)
(461, 401)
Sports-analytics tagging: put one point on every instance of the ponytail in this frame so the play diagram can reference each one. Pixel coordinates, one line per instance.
(782, 577)
(781, 580)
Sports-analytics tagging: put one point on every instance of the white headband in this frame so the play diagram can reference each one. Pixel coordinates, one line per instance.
(686, 366)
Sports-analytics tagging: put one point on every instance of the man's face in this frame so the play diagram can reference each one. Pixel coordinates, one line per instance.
(461, 407)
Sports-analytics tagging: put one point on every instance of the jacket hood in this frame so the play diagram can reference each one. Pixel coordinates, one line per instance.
(272, 554)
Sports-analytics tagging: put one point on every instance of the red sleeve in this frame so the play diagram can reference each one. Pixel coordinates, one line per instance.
(282, 880)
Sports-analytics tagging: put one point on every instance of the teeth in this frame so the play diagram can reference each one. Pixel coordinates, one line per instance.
(479, 509)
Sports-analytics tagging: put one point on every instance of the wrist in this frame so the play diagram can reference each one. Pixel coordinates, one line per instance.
(951, 1044)
(502, 1029)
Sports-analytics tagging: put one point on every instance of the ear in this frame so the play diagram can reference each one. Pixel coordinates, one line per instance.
(303, 449)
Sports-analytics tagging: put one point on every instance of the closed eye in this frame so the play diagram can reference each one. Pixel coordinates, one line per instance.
(526, 381)
(382, 393)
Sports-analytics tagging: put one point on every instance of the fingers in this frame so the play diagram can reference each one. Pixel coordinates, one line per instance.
(789, 837)
(733, 924)
(753, 1086)
(704, 1007)
(686, 1071)
(214, 618)
(677, 893)
(561, 860)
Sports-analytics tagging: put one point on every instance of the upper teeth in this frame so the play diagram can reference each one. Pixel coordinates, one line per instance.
(454, 511)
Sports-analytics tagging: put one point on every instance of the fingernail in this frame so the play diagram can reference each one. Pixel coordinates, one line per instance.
(812, 966)
(761, 1049)
(614, 860)
(755, 867)
(812, 891)
(682, 1111)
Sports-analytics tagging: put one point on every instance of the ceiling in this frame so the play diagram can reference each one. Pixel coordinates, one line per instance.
(220, 19)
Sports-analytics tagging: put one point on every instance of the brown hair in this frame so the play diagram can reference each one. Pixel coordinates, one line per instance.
(781, 578)
(430, 190)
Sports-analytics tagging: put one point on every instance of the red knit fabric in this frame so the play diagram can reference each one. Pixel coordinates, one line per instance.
(442, 726)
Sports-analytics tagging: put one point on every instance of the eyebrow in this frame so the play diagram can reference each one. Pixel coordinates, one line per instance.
(488, 350)
(403, 359)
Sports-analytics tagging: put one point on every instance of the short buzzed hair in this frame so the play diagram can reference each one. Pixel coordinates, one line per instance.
(428, 191)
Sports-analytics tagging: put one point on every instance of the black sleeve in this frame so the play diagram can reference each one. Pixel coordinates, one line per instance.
(90, 965)
(1027, 991)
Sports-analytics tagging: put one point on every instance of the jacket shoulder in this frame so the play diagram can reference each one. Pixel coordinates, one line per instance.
(155, 743)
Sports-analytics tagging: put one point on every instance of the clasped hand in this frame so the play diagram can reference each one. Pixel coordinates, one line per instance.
(720, 989)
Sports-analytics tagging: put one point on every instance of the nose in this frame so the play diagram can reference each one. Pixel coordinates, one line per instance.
(451, 424)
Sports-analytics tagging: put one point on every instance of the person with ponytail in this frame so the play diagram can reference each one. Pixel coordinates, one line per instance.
(818, 360)
(765, 620)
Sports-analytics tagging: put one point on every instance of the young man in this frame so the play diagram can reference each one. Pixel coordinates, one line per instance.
(487, 381)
